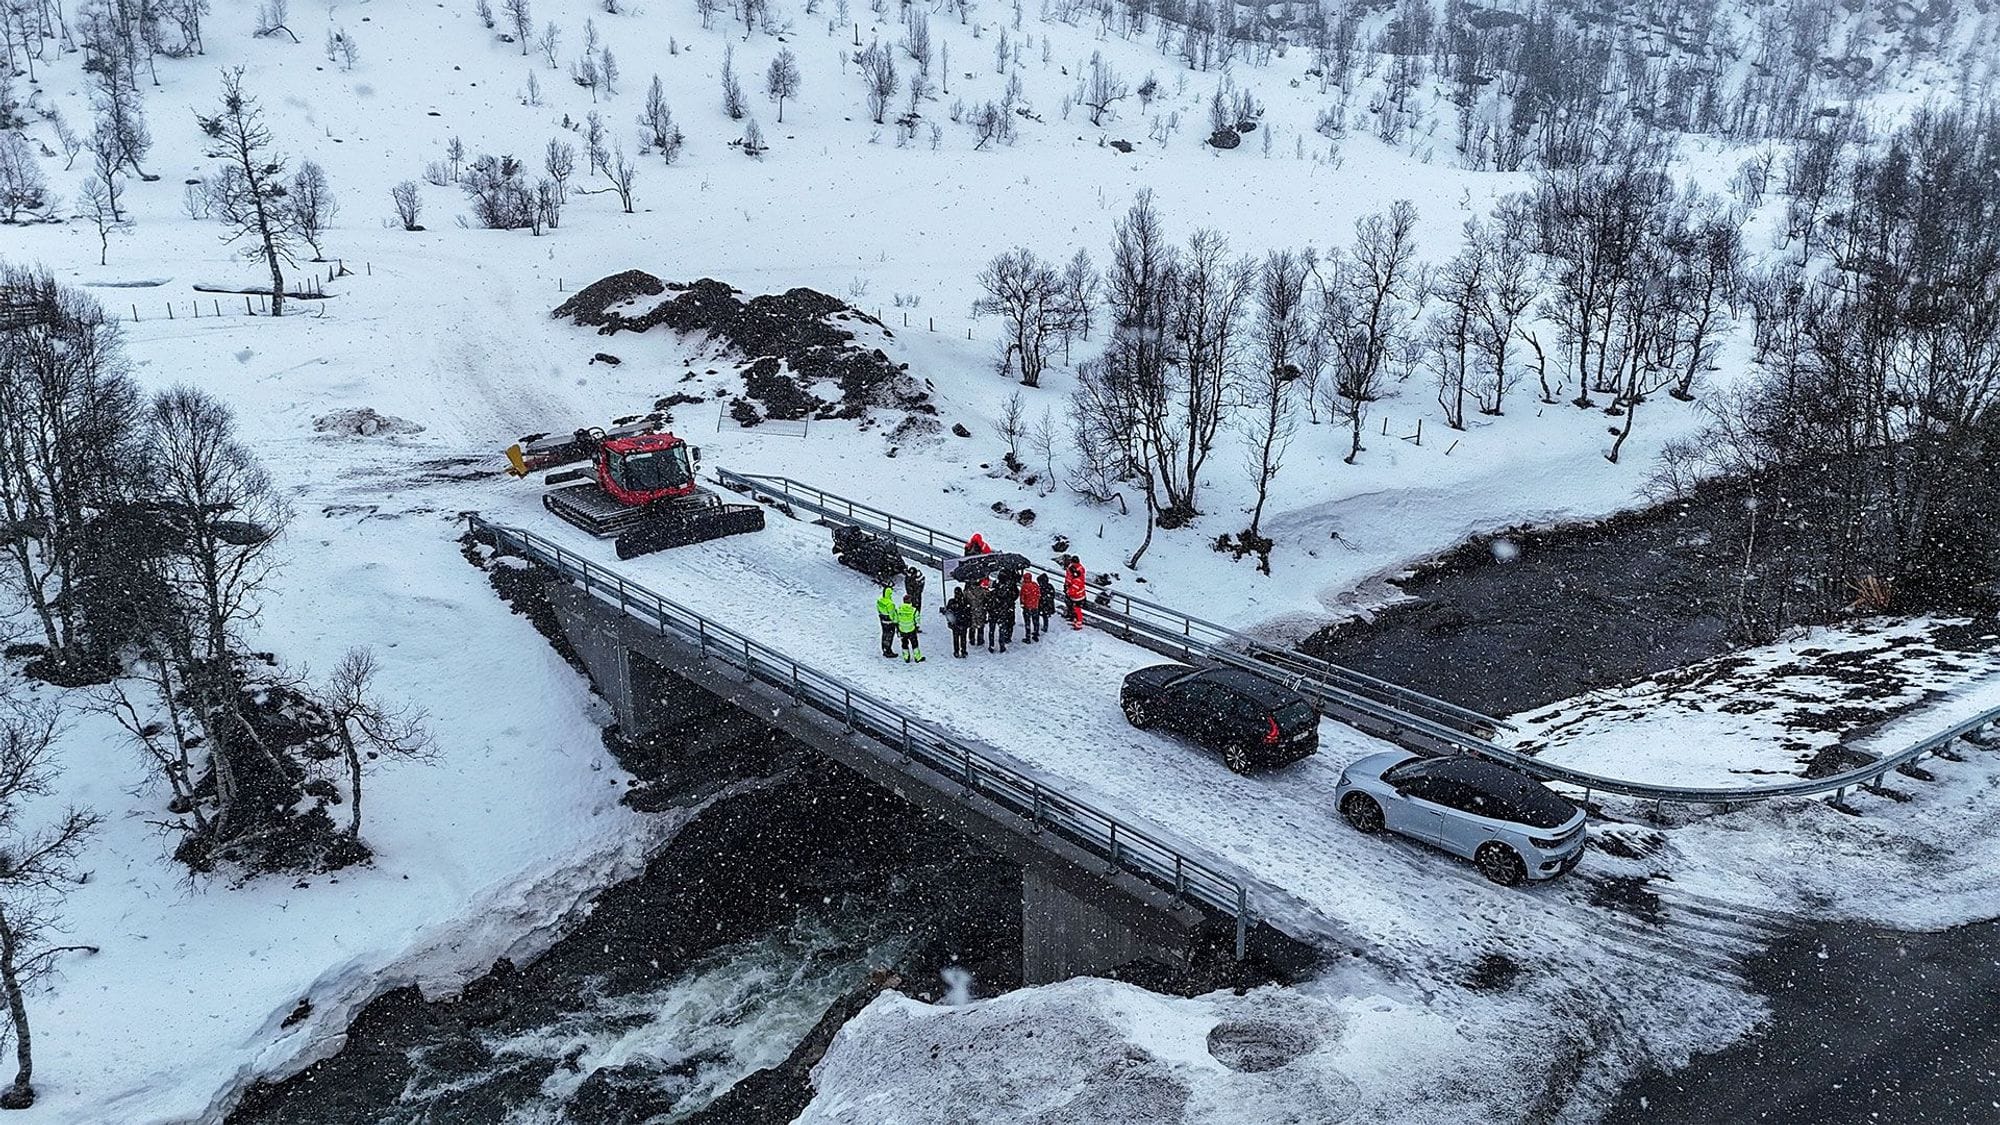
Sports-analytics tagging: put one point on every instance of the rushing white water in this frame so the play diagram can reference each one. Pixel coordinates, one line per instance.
(694, 1034)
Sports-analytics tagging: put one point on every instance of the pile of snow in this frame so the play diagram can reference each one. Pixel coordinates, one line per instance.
(1095, 1052)
(364, 422)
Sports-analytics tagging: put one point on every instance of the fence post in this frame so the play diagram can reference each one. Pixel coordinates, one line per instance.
(247, 310)
(170, 310)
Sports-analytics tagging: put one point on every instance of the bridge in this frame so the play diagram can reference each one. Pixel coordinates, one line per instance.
(1136, 845)
(1099, 892)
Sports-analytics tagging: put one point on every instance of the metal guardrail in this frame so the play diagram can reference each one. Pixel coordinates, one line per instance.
(1124, 846)
(1410, 719)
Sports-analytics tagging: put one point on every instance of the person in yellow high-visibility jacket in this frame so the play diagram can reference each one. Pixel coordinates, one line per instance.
(885, 612)
(906, 627)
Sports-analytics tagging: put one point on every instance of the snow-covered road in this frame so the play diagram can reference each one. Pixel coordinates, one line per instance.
(1052, 707)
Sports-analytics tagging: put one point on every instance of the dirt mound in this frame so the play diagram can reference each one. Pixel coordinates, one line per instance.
(590, 302)
(790, 341)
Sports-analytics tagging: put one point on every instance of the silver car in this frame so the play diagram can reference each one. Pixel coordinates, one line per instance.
(1512, 826)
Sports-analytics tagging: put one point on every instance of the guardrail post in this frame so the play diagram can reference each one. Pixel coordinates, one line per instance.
(905, 719)
(965, 770)
(1180, 878)
(795, 684)
(1035, 820)
(1114, 845)
(847, 710)
(749, 676)
(1242, 921)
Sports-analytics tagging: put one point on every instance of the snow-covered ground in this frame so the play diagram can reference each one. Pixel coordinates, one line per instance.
(1765, 714)
(484, 853)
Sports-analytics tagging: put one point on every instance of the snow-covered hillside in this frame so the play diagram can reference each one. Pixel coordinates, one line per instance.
(487, 851)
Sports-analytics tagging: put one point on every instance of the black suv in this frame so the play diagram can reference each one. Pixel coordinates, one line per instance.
(1249, 719)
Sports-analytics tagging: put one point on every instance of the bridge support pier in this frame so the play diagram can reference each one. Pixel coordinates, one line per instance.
(1067, 931)
(607, 658)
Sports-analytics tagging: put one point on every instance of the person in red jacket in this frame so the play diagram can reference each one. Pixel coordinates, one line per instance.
(977, 545)
(1074, 590)
(1031, 607)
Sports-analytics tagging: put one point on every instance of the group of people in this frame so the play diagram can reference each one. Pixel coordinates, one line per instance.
(982, 612)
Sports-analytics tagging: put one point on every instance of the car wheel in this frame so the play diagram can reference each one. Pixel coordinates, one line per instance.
(1237, 757)
(1501, 864)
(1137, 713)
(1362, 812)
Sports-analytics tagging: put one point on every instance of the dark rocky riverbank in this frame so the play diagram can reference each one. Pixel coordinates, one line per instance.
(1521, 619)
(770, 906)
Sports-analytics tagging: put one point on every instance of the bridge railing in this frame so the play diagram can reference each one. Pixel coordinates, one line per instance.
(1378, 707)
(1123, 845)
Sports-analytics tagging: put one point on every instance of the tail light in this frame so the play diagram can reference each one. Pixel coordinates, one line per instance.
(1271, 730)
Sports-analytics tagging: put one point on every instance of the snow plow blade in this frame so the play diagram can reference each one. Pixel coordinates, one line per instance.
(666, 530)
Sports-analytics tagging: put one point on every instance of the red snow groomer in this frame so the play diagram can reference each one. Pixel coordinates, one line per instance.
(644, 493)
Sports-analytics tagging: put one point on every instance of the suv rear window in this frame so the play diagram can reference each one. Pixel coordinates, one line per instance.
(1297, 713)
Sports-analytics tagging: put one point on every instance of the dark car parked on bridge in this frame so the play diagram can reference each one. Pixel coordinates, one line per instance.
(1249, 719)
(1511, 826)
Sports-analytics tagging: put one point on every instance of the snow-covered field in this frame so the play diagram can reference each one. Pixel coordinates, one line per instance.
(486, 852)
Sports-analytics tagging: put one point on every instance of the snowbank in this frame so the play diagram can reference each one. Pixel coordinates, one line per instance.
(1765, 714)
(487, 853)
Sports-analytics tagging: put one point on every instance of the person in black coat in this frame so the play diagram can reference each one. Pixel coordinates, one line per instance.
(913, 587)
(975, 611)
(1047, 609)
(1000, 602)
(958, 618)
